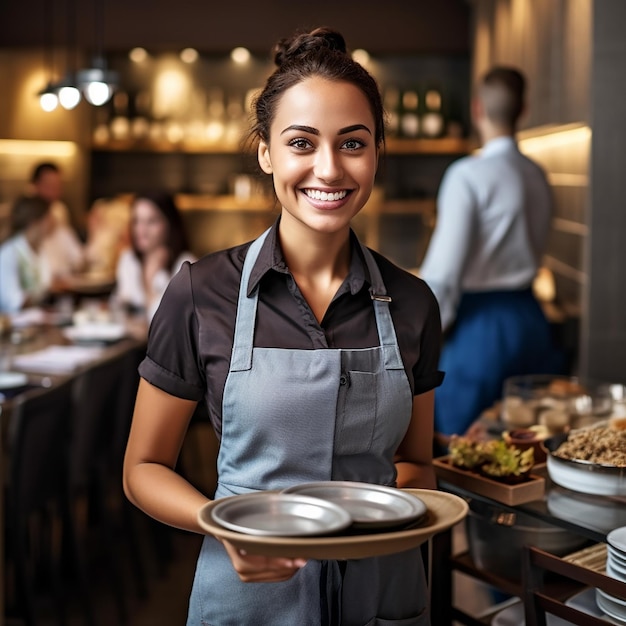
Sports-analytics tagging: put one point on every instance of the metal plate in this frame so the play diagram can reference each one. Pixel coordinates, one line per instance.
(10, 380)
(444, 511)
(95, 332)
(612, 606)
(617, 539)
(370, 506)
(278, 514)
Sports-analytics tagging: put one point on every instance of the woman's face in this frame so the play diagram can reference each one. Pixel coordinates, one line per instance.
(322, 153)
(149, 226)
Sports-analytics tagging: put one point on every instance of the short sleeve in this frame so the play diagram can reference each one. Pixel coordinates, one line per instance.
(172, 362)
(426, 373)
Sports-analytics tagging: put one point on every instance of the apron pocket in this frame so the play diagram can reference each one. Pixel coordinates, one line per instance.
(358, 411)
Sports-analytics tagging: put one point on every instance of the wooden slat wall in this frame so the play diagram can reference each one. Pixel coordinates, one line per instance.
(573, 52)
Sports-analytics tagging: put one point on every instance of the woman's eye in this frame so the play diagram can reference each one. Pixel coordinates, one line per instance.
(353, 144)
(300, 144)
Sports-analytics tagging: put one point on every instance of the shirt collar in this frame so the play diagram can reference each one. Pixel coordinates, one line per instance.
(499, 144)
(271, 258)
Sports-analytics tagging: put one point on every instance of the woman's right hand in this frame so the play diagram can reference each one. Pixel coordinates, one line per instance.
(262, 569)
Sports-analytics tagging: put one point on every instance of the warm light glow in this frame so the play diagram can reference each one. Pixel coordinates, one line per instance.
(97, 93)
(189, 55)
(37, 148)
(240, 55)
(48, 101)
(557, 137)
(433, 100)
(214, 131)
(174, 132)
(172, 92)
(361, 56)
(138, 55)
(69, 97)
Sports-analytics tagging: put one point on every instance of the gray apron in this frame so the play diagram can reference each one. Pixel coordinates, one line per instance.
(292, 416)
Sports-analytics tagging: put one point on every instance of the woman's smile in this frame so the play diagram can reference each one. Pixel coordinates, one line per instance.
(326, 199)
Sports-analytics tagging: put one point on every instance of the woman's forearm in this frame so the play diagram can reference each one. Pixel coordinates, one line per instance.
(165, 495)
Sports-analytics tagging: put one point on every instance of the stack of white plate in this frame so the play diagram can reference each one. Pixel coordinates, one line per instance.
(616, 568)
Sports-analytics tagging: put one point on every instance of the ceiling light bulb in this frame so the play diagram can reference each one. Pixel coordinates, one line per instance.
(240, 55)
(189, 55)
(361, 56)
(97, 93)
(137, 55)
(69, 97)
(48, 101)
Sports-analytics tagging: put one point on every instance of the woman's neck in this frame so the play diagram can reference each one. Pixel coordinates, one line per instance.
(319, 263)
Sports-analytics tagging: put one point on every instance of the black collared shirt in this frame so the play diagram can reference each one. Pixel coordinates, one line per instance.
(191, 335)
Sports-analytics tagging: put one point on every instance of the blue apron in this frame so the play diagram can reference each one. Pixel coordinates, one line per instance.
(293, 416)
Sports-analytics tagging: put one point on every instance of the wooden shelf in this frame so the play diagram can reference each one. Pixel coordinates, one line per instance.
(165, 147)
(199, 202)
(443, 146)
(394, 146)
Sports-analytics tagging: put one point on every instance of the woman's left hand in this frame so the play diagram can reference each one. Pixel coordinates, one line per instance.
(262, 569)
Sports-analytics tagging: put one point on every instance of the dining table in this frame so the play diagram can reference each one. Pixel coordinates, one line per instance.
(43, 348)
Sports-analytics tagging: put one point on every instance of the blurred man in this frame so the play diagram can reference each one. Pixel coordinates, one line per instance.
(493, 217)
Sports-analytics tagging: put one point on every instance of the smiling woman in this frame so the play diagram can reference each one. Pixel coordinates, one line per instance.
(351, 341)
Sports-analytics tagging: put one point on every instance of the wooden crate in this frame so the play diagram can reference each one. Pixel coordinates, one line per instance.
(531, 489)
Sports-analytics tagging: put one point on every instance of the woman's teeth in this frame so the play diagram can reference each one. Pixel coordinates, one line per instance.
(316, 194)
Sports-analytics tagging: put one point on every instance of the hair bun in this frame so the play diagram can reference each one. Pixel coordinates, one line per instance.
(302, 44)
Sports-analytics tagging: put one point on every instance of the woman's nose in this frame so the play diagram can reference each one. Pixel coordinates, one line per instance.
(328, 165)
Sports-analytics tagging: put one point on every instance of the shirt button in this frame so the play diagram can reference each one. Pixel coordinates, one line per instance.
(343, 380)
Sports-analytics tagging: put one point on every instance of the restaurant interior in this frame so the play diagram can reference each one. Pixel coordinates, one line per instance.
(178, 80)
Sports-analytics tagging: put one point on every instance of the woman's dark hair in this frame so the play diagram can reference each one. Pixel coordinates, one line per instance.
(176, 238)
(26, 210)
(321, 52)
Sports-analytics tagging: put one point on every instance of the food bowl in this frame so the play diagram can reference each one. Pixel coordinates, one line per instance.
(556, 402)
(524, 438)
(581, 475)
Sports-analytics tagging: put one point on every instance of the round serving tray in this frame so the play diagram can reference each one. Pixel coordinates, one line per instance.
(444, 510)
(583, 476)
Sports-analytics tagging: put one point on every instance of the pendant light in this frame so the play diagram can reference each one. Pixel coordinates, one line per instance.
(97, 82)
(48, 98)
(69, 95)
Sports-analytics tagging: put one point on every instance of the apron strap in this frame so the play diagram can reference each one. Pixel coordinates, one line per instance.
(243, 341)
(384, 323)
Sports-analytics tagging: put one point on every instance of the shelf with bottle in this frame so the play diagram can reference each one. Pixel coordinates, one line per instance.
(393, 146)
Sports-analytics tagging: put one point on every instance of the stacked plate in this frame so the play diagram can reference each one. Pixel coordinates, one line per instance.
(320, 508)
(616, 568)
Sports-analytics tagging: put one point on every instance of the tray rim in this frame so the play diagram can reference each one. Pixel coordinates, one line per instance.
(342, 547)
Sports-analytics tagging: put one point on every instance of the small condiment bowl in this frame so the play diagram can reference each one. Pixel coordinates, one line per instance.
(532, 437)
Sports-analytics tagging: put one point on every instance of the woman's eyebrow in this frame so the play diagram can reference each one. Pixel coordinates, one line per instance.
(304, 129)
(313, 131)
(351, 129)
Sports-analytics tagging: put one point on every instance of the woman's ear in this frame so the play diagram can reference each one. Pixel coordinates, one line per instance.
(263, 155)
